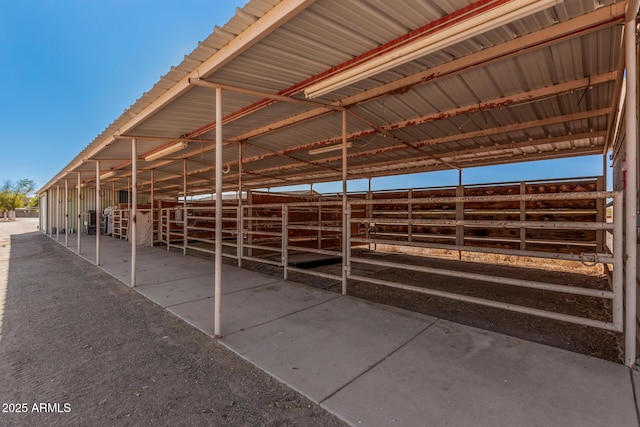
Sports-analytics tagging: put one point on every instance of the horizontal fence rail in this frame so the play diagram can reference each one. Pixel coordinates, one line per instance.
(278, 234)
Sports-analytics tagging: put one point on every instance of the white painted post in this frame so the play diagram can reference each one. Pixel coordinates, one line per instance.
(249, 222)
(185, 232)
(57, 213)
(410, 215)
(133, 228)
(349, 241)
(240, 222)
(40, 213)
(66, 213)
(523, 217)
(369, 213)
(98, 210)
(218, 246)
(345, 224)
(153, 213)
(79, 225)
(285, 241)
(631, 128)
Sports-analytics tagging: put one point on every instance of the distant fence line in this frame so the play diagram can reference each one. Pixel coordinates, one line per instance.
(19, 213)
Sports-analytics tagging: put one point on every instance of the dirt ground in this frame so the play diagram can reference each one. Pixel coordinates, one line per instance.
(98, 353)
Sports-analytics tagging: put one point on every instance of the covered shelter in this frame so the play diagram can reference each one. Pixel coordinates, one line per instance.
(307, 91)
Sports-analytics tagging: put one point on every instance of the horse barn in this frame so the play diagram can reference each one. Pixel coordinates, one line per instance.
(304, 92)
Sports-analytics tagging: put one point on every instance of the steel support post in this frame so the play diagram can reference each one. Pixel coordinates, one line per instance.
(79, 225)
(133, 211)
(218, 246)
(345, 224)
(52, 213)
(285, 241)
(184, 207)
(153, 212)
(57, 213)
(601, 215)
(249, 223)
(98, 210)
(460, 217)
(618, 252)
(348, 245)
(66, 213)
(239, 239)
(319, 225)
(369, 214)
(631, 130)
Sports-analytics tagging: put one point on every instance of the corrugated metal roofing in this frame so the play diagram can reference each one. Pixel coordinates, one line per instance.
(416, 126)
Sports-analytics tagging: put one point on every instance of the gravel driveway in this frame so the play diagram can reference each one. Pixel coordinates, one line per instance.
(78, 347)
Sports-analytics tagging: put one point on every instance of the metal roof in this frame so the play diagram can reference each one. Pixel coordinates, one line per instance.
(543, 86)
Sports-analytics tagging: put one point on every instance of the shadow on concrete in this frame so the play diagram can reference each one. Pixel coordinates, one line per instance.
(87, 350)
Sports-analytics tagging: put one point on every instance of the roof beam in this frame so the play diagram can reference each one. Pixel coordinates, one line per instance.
(450, 155)
(383, 170)
(162, 138)
(273, 96)
(405, 168)
(490, 151)
(459, 137)
(505, 101)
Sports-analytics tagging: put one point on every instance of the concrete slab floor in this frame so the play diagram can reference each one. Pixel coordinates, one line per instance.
(319, 350)
(250, 307)
(178, 291)
(457, 375)
(163, 274)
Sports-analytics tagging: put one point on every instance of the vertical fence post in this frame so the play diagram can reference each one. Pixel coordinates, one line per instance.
(285, 241)
(217, 280)
(601, 215)
(239, 231)
(368, 212)
(459, 217)
(410, 216)
(348, 245)
(240, 211)
(523, 217)
(618, 266)
(249, 222)
(153, 212)
(185, 232)
(319, 217)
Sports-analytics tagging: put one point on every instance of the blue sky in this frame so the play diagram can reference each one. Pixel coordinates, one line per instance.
(70, 67)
